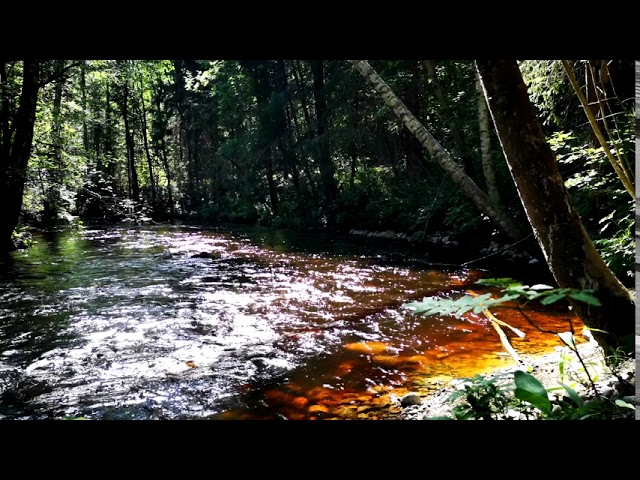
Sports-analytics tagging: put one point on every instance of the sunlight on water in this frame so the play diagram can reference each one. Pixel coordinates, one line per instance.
(152, 323)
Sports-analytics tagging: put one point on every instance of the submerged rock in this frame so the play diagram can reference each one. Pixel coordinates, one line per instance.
(206, 255)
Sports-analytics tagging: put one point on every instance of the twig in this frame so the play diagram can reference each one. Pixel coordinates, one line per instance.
(571, 347)
(503, 249)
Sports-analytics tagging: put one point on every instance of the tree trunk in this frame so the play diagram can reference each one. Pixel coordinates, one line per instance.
(158, 134)
(467, 186)
(15, 153)
(108, 139)
(485, 145)
(327, 171)
(51, 207)
(83, 89)
(145, 141)
(261, 74)
(412, 148)
(134, 187)
(297, 75)
(569, 252)
(284, 130)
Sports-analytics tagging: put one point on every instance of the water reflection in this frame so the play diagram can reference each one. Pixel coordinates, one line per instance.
(181, 323)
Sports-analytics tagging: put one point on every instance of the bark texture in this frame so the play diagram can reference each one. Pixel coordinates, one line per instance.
(569, 252)
(485, 145)
(17, 137)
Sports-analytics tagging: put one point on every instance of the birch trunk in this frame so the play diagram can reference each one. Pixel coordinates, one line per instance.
(467, 185)
(485, 145)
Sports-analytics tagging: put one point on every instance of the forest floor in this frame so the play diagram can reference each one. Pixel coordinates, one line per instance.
(617, 383)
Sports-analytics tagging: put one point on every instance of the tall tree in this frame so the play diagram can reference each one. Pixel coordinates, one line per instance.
(145, 139)
(56, 168)
(413, 150)
(327, 169)
(569, 252)
(16, 128)
(261, 72)
(134, 185)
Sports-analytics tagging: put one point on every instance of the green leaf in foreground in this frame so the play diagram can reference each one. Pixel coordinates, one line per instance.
(586, 298)
(622, 403)
(552, 298)
(573, 395)
(529, 389)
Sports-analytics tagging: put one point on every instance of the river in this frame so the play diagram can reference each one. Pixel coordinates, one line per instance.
(185, 323)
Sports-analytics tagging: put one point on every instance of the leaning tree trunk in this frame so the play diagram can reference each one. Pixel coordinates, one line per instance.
(572, 258)
(466, 184)
(14, 154)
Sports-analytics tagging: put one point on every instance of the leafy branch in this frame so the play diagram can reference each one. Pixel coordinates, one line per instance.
(511, 290)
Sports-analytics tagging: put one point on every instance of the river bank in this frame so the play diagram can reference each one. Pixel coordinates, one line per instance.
(561, 365)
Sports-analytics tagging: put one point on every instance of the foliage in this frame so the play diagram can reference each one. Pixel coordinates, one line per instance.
(483, 398)
(511, 291)
(548, 89)
(21, 237)
(603, 205)
(491, 398)
(220, 140)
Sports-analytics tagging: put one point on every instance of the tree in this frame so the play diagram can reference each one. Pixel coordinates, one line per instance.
(569, 252)
(325, 164)
(485, 145)
(16, 130)
(444, 159)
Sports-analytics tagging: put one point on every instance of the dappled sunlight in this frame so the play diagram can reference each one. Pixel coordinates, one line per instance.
(154, 323)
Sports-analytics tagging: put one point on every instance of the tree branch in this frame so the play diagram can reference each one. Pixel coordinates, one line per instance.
(58, 75)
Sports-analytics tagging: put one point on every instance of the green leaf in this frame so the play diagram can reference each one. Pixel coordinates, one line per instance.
(573, 395)
(622, 403)
(586, 298)
(529, 389)
(552, 298)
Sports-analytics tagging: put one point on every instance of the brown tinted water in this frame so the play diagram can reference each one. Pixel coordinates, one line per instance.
(178, 323)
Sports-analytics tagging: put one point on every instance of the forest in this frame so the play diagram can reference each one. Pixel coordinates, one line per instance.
(534, 153)
(302, 144)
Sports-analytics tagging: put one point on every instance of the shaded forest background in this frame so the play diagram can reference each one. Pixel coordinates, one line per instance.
(308, 144)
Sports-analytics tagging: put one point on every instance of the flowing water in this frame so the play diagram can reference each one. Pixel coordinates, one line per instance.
(182, 323)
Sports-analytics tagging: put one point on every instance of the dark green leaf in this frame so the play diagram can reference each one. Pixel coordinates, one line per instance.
(529, 389)
(552, 298)
(573, 395)
(586, 298)
(622, 403)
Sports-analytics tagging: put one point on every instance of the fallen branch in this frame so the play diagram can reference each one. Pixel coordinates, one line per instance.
(503, 337)
(491, 317)
(495, 323)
